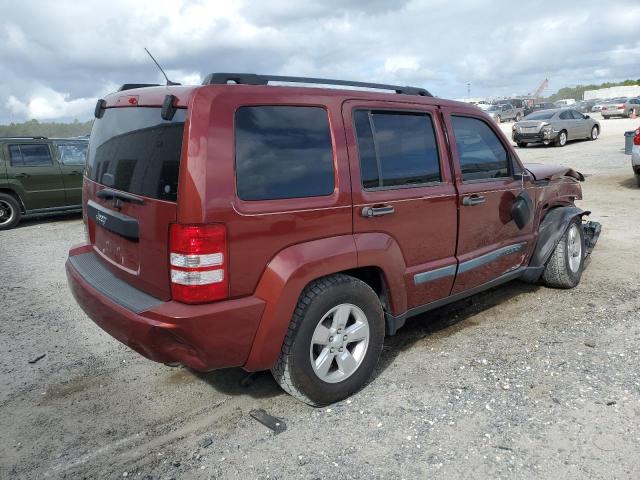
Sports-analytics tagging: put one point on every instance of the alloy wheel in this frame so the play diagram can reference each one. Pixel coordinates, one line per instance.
(339, 343)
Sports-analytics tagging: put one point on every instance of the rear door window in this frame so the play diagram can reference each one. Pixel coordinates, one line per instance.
(481, 153)
(283, 152)
(134, 150)
(72, 153)
(30, 155)
(396, 149)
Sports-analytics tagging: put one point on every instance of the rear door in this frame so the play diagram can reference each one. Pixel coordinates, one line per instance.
(131, 192)
(37, 174)
(72, 157)
(402, 187)
(489, 242)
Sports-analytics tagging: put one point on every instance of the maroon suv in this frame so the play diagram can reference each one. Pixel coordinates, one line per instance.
(291, 228)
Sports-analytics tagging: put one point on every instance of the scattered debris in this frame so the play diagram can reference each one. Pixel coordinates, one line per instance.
(502, 447)
(275, 424)
(207, 442)
(38, 358)
(611, 402)
(590, 343)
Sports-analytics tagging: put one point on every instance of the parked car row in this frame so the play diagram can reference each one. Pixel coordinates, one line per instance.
(39, 175)
(620, 107)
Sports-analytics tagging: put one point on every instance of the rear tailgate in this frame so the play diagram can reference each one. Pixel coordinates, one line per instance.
(130, 193)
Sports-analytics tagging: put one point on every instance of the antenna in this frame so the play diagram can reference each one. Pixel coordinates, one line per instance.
(169, 82)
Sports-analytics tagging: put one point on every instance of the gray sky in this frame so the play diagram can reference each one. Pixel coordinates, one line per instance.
(57, 58)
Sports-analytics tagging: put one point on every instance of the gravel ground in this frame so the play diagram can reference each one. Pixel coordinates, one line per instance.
(519, 382)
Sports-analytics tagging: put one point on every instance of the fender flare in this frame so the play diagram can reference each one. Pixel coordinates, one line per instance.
(293, 268)
(550, 231)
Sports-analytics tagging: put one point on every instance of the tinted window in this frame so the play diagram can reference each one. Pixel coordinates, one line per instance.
(72, 153)
(396, 149)
(133, 149)
(566, 115)
(283, 152)
(577, 115)
(481, 152)
(540, 115)
(30, 155)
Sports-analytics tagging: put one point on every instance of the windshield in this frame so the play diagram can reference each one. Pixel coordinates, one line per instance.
(493, 108)
(134, 150)
(540, 116)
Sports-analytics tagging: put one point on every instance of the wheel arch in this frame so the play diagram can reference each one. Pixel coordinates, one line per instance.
(295, 267)
(550, 231)
(14, 194)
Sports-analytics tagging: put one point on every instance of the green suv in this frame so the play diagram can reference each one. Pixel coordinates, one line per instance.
(39, 175)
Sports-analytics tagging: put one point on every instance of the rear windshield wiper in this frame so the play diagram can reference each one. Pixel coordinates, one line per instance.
(107, 193)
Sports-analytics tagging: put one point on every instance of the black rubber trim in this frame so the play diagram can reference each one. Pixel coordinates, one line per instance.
(551, 229)
(113, 221)
(99, 277)
(395, 323)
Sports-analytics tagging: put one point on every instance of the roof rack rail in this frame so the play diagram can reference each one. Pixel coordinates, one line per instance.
(18, 137)
(257, 79)
(131, 86)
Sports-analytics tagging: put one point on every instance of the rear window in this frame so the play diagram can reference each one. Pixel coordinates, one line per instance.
(540, 116)
(283, 152)
(134, 150)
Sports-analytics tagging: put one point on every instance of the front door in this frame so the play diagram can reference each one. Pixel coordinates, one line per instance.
(35, 174)
(403, 190)
(489, 242)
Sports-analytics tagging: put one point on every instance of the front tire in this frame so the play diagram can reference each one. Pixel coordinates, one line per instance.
(333, 343)
(10, 212)
(564, 268)
(522, 145)
(561, 139)
(594, 133)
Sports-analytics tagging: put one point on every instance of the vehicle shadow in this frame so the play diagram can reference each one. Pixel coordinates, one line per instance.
(630, 182)
(446, 320)
(44, 218)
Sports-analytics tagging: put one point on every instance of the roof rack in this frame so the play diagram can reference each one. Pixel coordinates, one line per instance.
(256, 79)
(19, 137)
(131, 86)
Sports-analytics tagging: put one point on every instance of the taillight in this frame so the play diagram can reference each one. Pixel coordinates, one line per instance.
(636, 139)
(621, 106)
(198, 262)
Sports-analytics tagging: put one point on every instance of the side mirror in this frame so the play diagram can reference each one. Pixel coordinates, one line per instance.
(524, 176)
(522, 210)
(586, 116)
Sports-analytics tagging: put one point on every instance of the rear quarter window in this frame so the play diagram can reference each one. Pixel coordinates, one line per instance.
(283, 152)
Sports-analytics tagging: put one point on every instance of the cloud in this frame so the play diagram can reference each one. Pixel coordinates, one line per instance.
(57, 58)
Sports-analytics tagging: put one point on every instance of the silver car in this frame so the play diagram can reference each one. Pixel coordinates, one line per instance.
(557, 126)
(624, 107)
(504, 112)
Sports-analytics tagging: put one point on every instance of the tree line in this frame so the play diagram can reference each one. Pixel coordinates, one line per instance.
(577, 92)
(34, 128)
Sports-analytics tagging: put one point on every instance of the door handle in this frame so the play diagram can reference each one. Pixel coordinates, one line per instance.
(472, 200)
(21, 175)
(370, 212)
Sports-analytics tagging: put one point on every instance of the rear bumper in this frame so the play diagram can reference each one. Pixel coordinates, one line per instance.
(202, 337)
(613, 113)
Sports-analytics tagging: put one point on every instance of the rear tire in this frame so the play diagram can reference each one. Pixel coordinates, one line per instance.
(522, 145)
(638, 179)
(342, 309)
(564, 268)
(595, 131)
(10, 212)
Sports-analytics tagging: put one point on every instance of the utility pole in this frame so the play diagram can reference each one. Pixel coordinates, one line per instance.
(468, 90)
